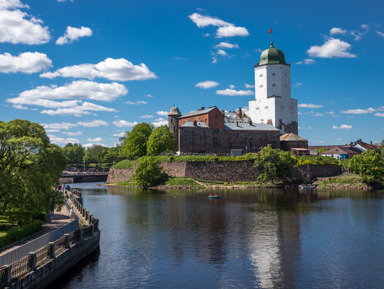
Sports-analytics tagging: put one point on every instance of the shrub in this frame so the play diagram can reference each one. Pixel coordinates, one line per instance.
(20, 232)
(148, 173)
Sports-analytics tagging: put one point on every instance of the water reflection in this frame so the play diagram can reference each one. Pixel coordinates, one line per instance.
(247, 239)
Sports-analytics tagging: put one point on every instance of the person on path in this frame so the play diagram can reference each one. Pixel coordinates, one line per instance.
(71, 213)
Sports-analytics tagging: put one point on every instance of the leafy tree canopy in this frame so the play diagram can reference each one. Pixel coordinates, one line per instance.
(93, 154)
(273, 163)
(161, 140)
(148, 172)
(29, 166)
(74, 153)
(369, 166)
(135, 145)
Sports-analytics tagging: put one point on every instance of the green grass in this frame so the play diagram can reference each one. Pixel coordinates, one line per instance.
(126, 164)
(17, 233)
(344, 178)
(180, 181)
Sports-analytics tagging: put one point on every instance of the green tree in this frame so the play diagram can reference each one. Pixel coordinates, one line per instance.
(93, 154)
(111, 155)
(369, 166)
(29, 166)
(74, 153)
(273, 163)
(135, 145)
(148, 172)
(161, 140)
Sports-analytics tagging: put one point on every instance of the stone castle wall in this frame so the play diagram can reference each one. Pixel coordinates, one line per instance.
(229, 171)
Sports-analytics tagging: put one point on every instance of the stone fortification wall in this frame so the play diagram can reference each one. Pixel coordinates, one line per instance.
(242, 171)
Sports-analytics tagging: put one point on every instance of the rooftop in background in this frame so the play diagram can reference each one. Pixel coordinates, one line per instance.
(249, 126)
(202, 110)
(291, 137)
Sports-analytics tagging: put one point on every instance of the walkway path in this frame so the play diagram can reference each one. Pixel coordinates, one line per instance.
(58, 219)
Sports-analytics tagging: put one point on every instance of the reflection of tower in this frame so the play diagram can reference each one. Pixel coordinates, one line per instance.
(273, 103)
(173, 121)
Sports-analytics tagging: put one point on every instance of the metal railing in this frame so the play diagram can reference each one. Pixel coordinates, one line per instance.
(33, 260)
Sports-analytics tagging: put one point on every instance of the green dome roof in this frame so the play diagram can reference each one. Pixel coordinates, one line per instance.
(272, 55)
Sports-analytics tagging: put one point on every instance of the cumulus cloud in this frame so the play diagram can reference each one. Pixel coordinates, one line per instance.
(226, 45)
(59, 126)
(159, 122)
(331, 48)
(162, 112)
(225, 29)
(59, 140)
(310, 105)
(111, 69)
(89, 145)
(146, 116)
(248, 85)
(123, 123)
(298, 84)
(93, 123)
(343, 126)
(68, 99)
(307, 61)
(27, 62)
(136, 102)
(360, 111)
(379, 114)
(336, 30)
(68, 133)
(18, 27)
(96, 139)
(73, 33)
(207, 84)
(119, 134)
(380, 33)
(231, 31)
(232, 92)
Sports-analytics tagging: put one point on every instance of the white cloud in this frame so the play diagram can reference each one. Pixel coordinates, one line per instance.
(226, 45)
(124, 123)
(231, 86)
(303, 127)
(231, 31)
(232, 92)
(27, 62)
(79, 110)
(148, 95)
(111, 69)
(88, 145)
(162, 112)
(343, 126)
(258, 50)
(310, 105)
(94, 123)
(380, 33)
(203, 21)
(146, 116)
(248, 85)
(18, 27)
(298, 84)
(359, 111)
(96, 139)
(336, 30)
(221, 52)
(379, 114)
(73, 33)
(59, 126)
(11, 4)
(19, 106)
(60, 140)
(119, 134)
(331, 48)
(225, 29)
(159, 122)
(307, 61)
(359, 34)
(206, 84)
(318, 114)
(68, 133)
(137, 102)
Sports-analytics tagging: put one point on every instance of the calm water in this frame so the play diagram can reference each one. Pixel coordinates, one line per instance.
(248, 239)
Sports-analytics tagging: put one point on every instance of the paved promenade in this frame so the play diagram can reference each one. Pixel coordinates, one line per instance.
(58, 219)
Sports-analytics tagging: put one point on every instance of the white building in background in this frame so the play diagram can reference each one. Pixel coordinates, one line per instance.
(273, 103)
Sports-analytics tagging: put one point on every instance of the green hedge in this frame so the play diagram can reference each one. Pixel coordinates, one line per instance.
(20, 232)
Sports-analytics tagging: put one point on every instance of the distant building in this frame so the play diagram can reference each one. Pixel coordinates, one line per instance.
(273, 113)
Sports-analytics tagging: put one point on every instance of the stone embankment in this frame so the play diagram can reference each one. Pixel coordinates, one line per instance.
(226, 171)
(39, 269)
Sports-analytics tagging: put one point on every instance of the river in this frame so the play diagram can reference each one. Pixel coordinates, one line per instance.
(260, 238)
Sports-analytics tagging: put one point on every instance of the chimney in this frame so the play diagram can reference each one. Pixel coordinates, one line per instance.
(371, 142)
(194, 123)
(202, 108)
(240, 112)
(237, 123)
(223, 112)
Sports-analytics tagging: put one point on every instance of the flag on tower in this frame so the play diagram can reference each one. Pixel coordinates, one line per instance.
(270, 31)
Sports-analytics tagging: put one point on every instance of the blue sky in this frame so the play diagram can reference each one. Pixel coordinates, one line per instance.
(88, 70)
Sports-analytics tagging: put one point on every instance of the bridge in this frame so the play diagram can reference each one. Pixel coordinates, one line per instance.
(85, 177)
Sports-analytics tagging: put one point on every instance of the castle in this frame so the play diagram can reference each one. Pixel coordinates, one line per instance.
(272, 117)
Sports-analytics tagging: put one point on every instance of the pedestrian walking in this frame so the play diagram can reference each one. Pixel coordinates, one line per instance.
(71, 213)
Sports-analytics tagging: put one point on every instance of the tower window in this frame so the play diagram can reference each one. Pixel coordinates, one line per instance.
(171, 120)
(273, 84)
(260, 75)
(273, 74)
(261, 86)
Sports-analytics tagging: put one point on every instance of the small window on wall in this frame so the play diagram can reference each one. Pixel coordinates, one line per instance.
(273, 84)
(214, 139)
(216, 124)
(260, 75)
(261, 86)
(174, 128)
(171, 120)
(273, 74)
(192, 140)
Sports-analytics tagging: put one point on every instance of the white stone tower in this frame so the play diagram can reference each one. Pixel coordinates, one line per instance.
(273, 103)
